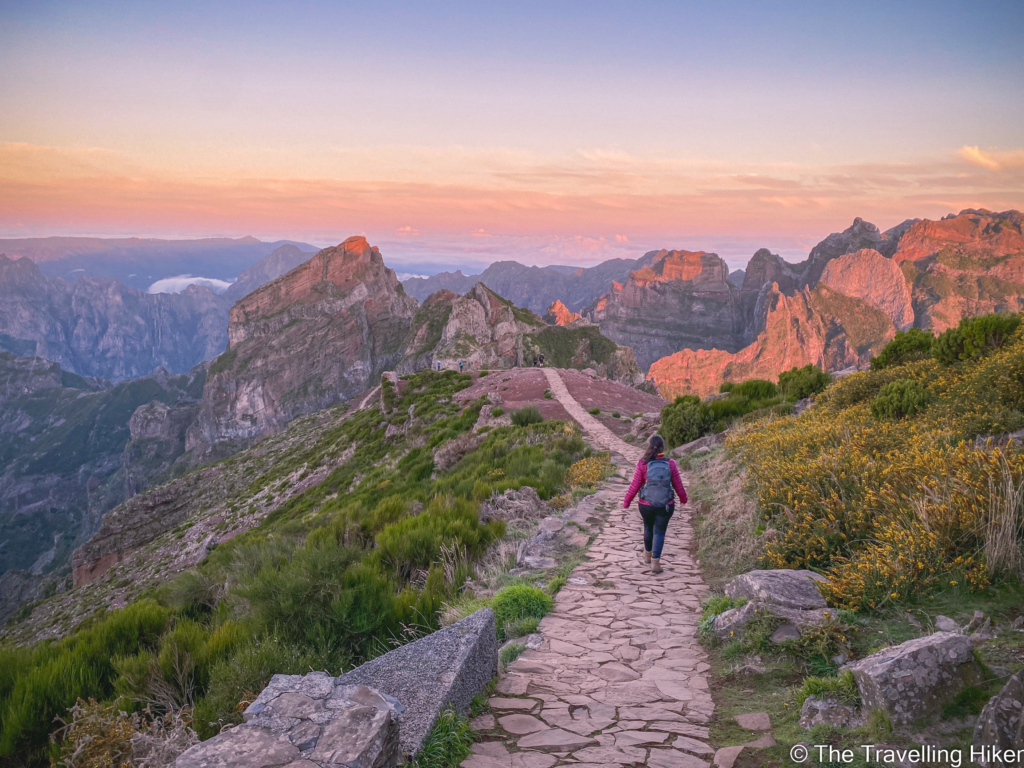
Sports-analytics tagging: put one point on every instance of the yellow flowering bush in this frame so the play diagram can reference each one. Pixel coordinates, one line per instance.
(588, 472)
(895, 508)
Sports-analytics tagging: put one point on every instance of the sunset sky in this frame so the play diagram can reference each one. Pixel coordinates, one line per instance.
(548, 132)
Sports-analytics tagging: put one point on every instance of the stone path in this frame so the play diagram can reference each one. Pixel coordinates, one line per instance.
(598, 433)
(618, 678)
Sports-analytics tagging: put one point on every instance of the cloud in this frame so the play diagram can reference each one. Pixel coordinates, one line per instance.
(992, 160)
(179, 283)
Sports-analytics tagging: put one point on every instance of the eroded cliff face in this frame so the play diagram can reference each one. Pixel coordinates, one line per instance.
(682, 300)
(104, 328)
(559, 314)
(307, 340)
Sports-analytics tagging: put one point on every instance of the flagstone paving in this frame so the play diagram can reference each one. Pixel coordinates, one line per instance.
(619, 678)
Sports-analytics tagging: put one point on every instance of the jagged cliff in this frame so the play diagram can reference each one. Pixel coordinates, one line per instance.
(102, 327)
(307, 340)
(682, 299)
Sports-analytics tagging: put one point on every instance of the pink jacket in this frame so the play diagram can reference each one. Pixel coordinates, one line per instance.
(640, 477)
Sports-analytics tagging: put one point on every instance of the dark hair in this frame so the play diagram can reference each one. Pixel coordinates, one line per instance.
(655, 446)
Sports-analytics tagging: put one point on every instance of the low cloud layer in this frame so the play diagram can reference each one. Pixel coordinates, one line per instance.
(179, 283)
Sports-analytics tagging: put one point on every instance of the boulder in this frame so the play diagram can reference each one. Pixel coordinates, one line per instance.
(730, 624)
(946, 624)
(827, 711)
(311, 718)
(786, 588)
(700, 445)
(1001, 723)
(444, 669)
(915, 678)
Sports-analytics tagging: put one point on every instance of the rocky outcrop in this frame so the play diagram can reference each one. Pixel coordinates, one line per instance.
(877, 281)
(914, 679)
(683, 299)
(307, 340)
(484, 330)
(1001, 723)
(788, 588)
(559, 314)
(861, 235)
(828, 711)
(102, 327)
(276, 263)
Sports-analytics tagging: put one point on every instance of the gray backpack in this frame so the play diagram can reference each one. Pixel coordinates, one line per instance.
(657, 491)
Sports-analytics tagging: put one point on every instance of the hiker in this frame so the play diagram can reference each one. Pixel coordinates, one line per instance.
(542, 361)
(534, 361)
(438, 367)
(461, 363)
(655, 477)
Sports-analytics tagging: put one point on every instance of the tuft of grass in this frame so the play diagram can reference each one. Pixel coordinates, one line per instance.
(594, 411)
(968, 703)
(517, 602)
(841, 687)
(547, 394)
(712, 607)
(524, 417)
(499, 411)
(448, 743)
(510, 653)
(522, 627)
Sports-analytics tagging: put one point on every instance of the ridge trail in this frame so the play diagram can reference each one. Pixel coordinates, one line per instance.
(618, 677)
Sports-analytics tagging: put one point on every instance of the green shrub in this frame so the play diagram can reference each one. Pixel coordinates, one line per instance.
(594, 411)
(799, 383)
(685, 420)
(974, 337)
(524, 417)
(510, 653)
(899, 400)
(727, 386)
(756, 389)
(517, 602)
(906, 347)
(499, 411)
(713, 607)
(522, 627)
(547, 394)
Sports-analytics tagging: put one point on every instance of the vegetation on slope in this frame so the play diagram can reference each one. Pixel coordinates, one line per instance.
(338, 574)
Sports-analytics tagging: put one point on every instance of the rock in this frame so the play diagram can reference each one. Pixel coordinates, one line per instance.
(458, 661)
(730, 624)
(915, 678)
(765, 742)
(1018, 622)
(306, 716)
(559, 314)
(785, 633)
(551, 525)
(1001, 722)
(555, 739)
(726, 756)
(705, 443)
(644, 426)
(786, 588)
(521, 504)
(946, 624)
(829, 711)
(755, 721)
(984, 632)
(751, 669)
(869, 276)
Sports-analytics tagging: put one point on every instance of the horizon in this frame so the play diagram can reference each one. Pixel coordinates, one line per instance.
(545, 135)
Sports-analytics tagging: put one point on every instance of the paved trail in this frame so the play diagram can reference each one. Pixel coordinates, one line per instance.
(619, 678)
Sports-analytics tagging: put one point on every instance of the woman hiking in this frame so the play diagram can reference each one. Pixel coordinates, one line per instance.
(655, 477)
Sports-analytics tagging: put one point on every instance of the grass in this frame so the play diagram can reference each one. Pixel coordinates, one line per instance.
(448, 743)
(840, 687)
(510, 653)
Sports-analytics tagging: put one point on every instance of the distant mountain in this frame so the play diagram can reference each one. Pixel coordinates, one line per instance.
(273, 265)
(101, 327)
(73, 448)
(533, 287)
(139, 262)
(854, 292)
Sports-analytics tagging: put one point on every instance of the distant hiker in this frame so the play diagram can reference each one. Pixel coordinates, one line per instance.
(461, 363)
(438, 367)
(655, 477)
(542, 361)
(534, 361)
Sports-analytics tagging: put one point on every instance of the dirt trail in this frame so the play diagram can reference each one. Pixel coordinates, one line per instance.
(619, 677)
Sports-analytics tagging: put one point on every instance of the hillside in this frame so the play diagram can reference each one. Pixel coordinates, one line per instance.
(72, 450)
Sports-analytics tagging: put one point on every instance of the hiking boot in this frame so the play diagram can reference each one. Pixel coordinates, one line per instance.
(656, 565)
(647, 557)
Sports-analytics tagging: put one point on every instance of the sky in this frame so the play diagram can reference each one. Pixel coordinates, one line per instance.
(547, 132)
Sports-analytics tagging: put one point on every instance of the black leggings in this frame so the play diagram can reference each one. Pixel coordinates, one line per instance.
(655, 524)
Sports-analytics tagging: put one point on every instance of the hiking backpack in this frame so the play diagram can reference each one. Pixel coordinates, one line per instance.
(657, 491)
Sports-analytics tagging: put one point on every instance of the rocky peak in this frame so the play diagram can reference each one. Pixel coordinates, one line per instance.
(274, 264)
(311, 338)
(695, 267)
(869, 276)
(559, 314)
(767, 267)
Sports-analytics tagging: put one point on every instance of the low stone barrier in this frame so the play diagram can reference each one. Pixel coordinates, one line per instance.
(376, 716)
